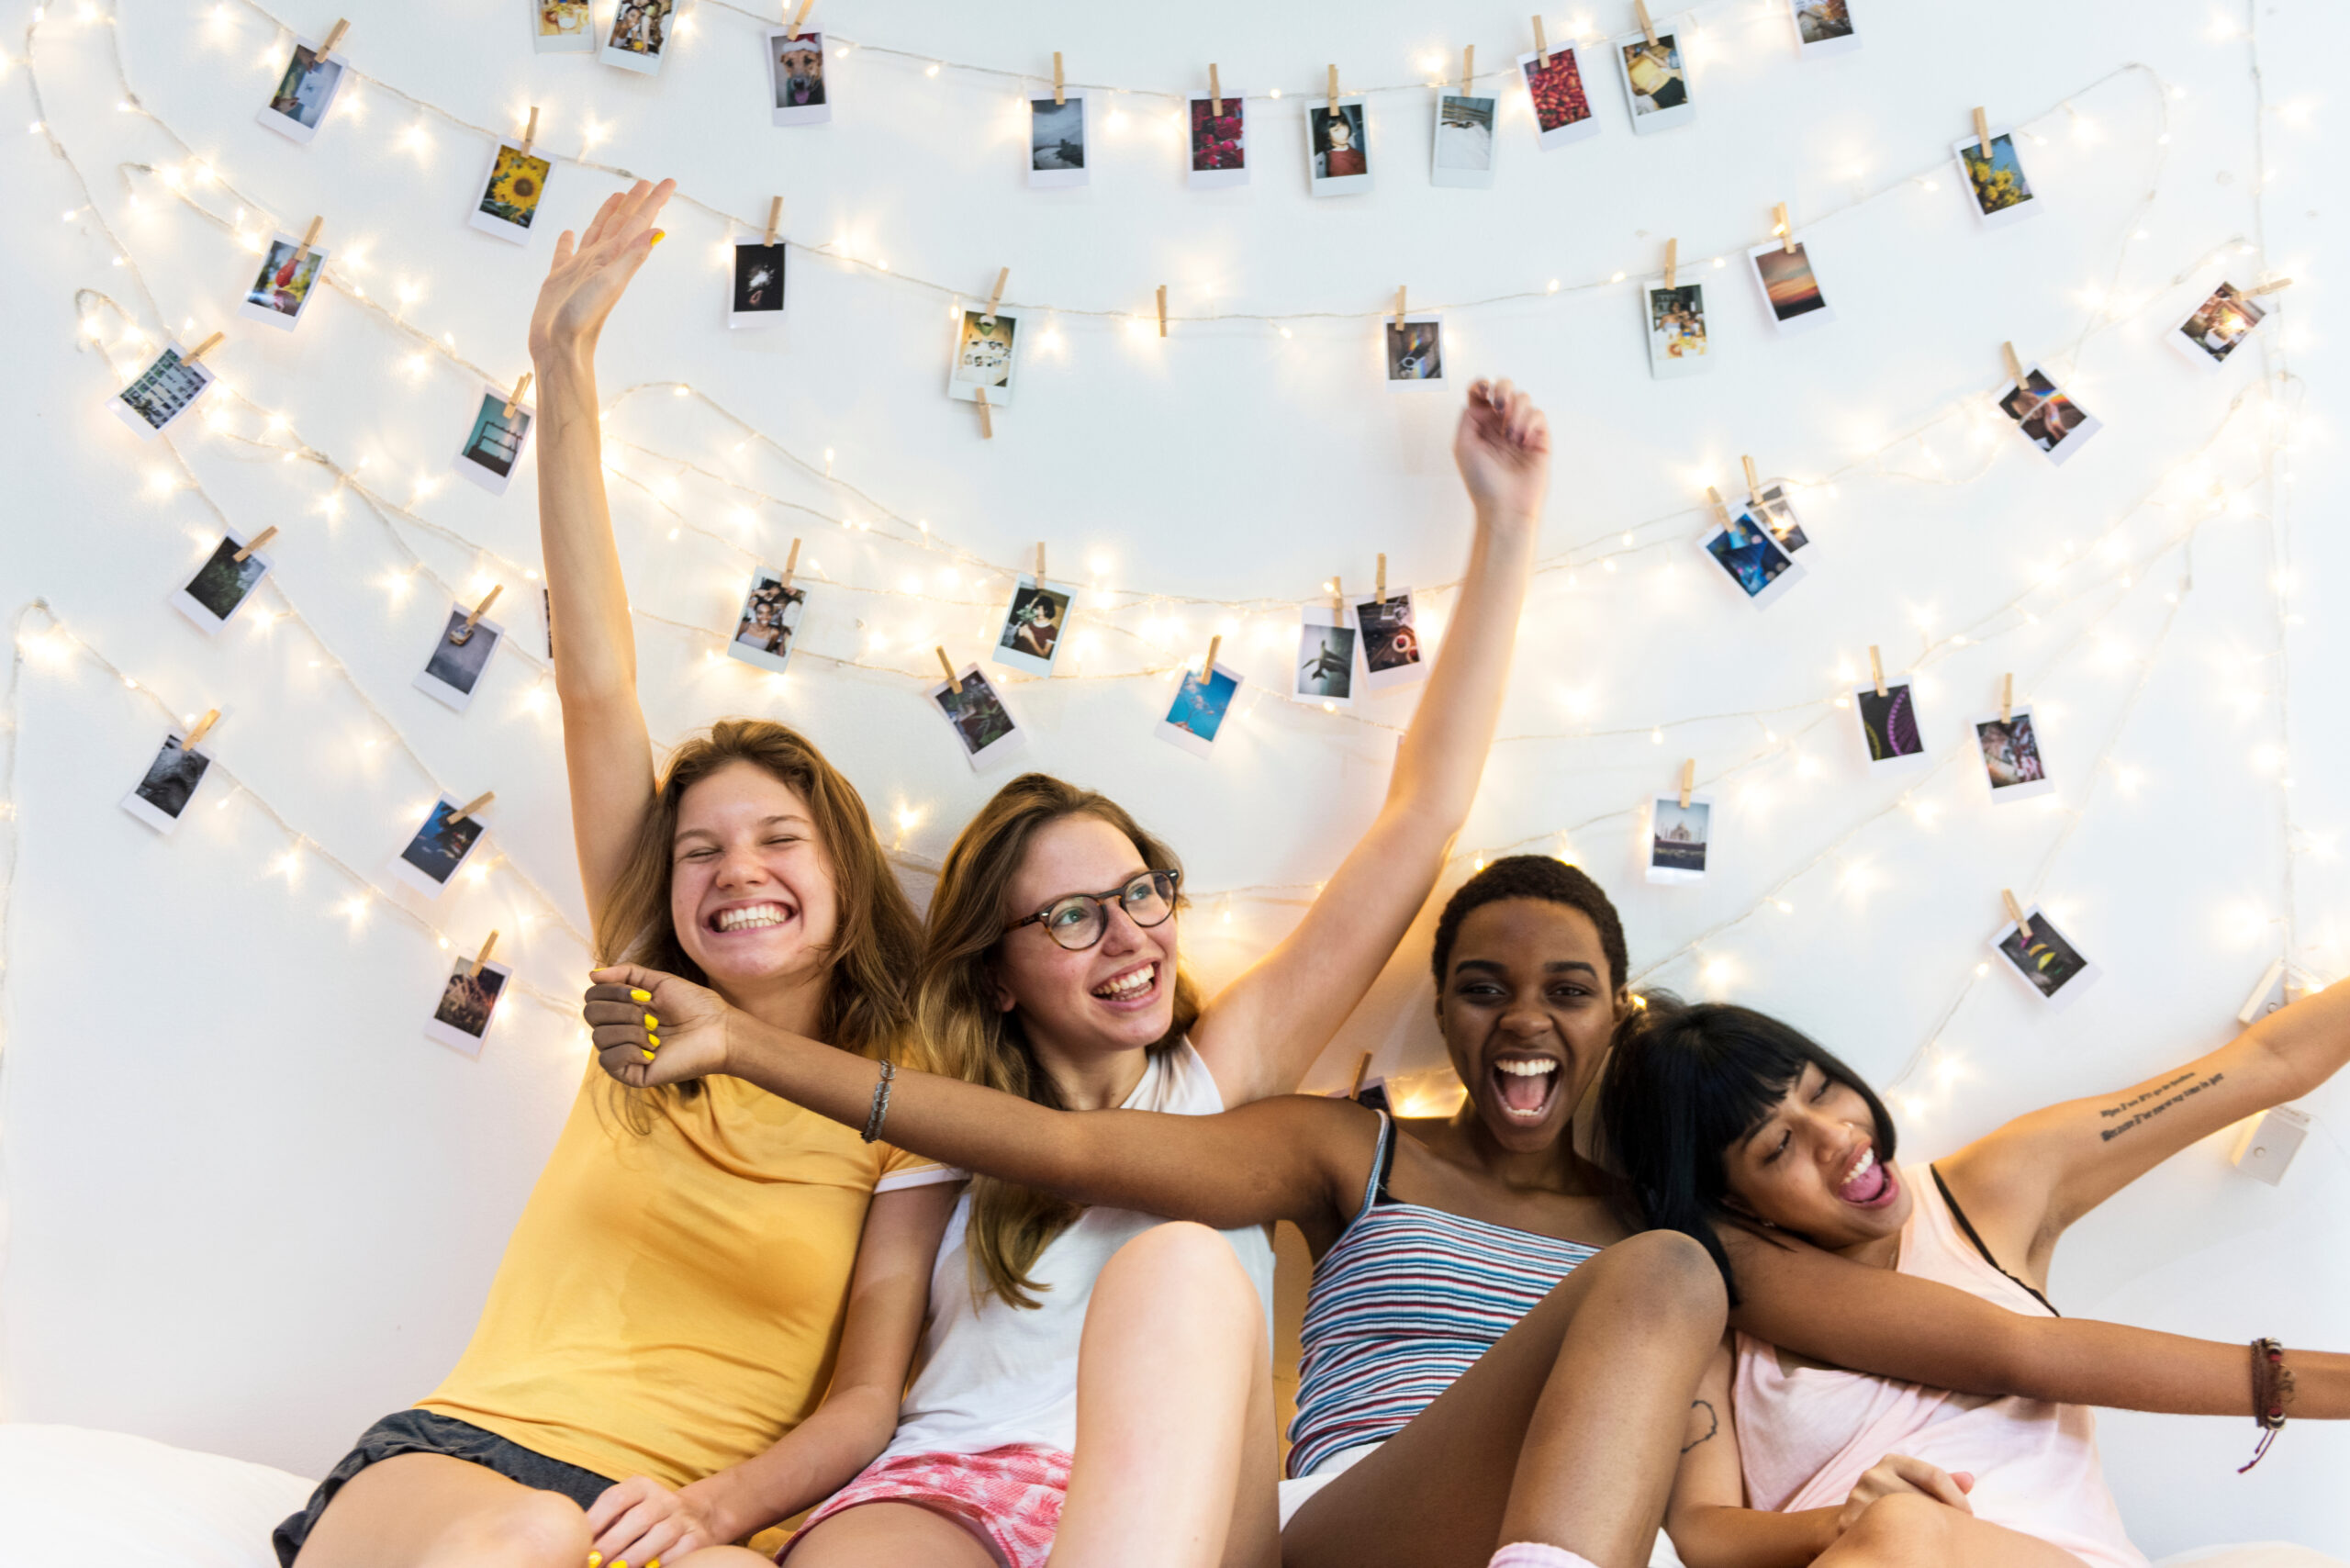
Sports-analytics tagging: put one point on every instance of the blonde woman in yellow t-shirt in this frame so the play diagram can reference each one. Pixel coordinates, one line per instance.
(703, 1321)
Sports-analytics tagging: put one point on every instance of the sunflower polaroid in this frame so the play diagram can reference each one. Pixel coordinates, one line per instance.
(1219, 141)
(986, 355)
(640, 37)
(1326, 655)
(984, 726)
(168, 387)
(495, 444)
(511, 191)
(562, 27)
(281, 291)
(1993, 179)
(1035, 625)
(2045, 958)
(222, 583)
(469, 1000)
(796, 78)
(1202, 705)
(305, 91)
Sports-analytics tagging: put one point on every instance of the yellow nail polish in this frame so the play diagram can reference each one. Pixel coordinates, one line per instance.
(648, 1056)
(651, 1021)
(653, 1041)
(658, 235)
(595, 1560)
(654, 1563)
(635, 995)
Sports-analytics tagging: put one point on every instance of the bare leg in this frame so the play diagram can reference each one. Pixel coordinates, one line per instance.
(1176, 1463)
(1911, 1531)
(720, 1557)
(426, 1510)
(1566, 1432)
(888, 1535)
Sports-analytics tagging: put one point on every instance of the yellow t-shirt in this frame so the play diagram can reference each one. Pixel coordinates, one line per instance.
(669, 1302)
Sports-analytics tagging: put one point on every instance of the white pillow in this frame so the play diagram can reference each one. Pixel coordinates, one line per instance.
(70, 1494)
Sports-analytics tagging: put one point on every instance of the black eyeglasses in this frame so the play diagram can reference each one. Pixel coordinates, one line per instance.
(1078, 920)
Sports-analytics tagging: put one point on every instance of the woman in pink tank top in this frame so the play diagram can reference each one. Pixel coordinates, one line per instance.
(1739, 1131)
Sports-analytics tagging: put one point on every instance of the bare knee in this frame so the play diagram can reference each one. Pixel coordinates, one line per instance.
(1183, 1258)
(1908, 1529)
(1672, 1274)
(532, 1529)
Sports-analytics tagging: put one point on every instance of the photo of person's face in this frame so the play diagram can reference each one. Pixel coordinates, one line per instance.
(1031, 636)
(1336, 147)
(769, 618)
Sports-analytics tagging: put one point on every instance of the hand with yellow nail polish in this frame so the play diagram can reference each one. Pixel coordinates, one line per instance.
(591, 270)
(649, 1028)
(640, 1520)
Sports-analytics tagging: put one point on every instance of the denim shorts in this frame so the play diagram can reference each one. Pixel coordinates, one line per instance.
(424, 1431)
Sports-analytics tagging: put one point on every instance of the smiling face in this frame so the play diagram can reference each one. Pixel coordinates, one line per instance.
(750, 884)
(1811, 1168)
(1526, 1008)
(1117, 995)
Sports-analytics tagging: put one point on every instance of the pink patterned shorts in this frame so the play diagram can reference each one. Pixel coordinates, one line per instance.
(1009, 1498)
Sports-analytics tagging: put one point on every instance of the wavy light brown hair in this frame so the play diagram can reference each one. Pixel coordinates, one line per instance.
(877, 937)
(964, 1035)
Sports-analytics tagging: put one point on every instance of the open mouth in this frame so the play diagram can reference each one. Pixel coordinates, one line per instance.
(1134, 987)
(1524, 1086)
(749, 917)
(1867, 1184)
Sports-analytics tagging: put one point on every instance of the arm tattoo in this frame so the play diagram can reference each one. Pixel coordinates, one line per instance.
(2156, 1109)
(1713, 1424)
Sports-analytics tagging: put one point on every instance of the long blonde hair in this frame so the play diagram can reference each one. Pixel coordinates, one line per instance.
(966, 1035)
(877, 937)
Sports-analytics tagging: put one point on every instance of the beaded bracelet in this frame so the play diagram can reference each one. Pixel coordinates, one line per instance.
(880, 1101)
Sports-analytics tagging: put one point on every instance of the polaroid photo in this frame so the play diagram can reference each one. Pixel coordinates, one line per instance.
(453, 671)
(562, 27)
(162, 798)
(1326, 655)
(281, 291)
(2044, 960)
(1824, 28)
(757, 300)
(511, 193)
(1338, 147)
(1562, 107)
(1889, 727)
(1413, 351)
(1995, 182)
(1219, 141)
(1200, 707)
(221, 585)
(1676, 329)
(768, 625)
(1750, 556)
(1656, 80)
(640, 33)
(1463, 153)
(495, 444)
(984, 726)
(466, 1003)
(1391, 652)
(440, 849)
(2011, 757)
(1035, 625)
(1056, 142)
(304, 92)
(1678, 838)
(1790, 287)
(167, 388)
(2050, 420)
(2216, 330)
(1778, 514)
(985, 355)
(795, 75)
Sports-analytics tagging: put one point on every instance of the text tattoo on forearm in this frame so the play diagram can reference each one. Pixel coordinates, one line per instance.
(2109, 1134)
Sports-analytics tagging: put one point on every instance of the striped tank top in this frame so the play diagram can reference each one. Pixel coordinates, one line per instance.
(1401, 1304)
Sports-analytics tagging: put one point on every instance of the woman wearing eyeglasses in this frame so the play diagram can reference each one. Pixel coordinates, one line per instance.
(1051, 972)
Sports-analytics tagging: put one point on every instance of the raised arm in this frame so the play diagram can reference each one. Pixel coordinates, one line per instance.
(605, 745)
(1260, 1032)
(1287, 1157)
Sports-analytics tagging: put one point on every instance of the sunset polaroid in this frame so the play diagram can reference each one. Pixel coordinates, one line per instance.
(1791, 290)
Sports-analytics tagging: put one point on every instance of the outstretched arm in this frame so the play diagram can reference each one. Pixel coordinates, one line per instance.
(605, 745)
(1260, 1032)
(1287, 1158)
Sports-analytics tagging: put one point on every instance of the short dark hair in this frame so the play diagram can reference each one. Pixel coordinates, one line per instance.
(1542, 877)
(1686, 1084)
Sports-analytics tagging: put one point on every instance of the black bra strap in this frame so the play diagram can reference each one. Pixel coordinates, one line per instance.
(1386, 1159)
(1968, 1226)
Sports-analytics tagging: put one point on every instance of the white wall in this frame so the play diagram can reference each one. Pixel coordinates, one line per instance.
(249, 1208)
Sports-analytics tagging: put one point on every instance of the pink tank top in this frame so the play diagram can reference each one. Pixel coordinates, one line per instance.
(1805, 1434)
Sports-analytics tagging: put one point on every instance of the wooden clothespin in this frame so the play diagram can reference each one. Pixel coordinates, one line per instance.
(1362, 1071)
(463, 635)
(995, 297)
(205, 347)
(986, 419)
(1382, 594)
(2015, 913)
(1040, 562)
(1753, 483)
(516, 396)
(1162, 309)
(530, 131)
(1688, 779)
(478, 802)
(1399, 305)
(481, 956)
(1672, 261)
(1784, 229)
(1468, 70)
(2007, 698)
(948, 665)
(1641, 9)
(1542, 43)
(1721, 507)
(263, 537)
(1876, 670)
(1060, 89)
(1215, 92)
(1207, 670)
(201, 728)
(2015, 365)
(791, 566)
(334, 37)
(1334, 89)
(798, 17)
(1983, 132)
(774, 218)
(1337, 597)
(309, 237)
(2269, 287)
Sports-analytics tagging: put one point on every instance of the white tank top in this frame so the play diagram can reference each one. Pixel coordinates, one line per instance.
(993, 1374)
